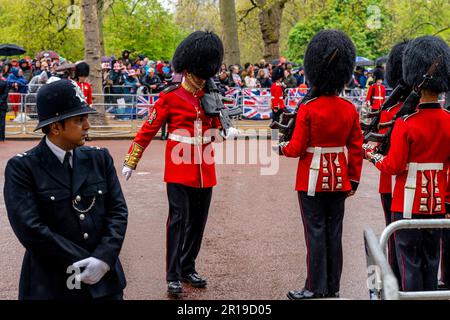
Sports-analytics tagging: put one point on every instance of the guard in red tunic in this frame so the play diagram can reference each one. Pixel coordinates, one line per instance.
(376, 94)
(277, 94)
(189, 160)
(445, 243)
(394, 74)
(326, 125)
(81, 74)
(419, 157)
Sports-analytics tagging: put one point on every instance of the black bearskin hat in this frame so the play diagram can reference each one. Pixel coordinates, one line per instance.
(201, 53)
(419, 55)
(378, 74)
(81, 70)
(329, 61)
(277, 73)
(394, 71)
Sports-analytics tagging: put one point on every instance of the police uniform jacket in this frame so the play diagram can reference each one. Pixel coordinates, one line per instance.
(41, 203)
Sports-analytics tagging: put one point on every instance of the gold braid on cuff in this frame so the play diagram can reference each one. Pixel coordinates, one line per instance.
(132, 158)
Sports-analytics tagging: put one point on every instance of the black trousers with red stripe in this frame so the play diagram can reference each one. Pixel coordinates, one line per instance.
(188, 212)
(445, 258)
(322, 216)
(386, 201)
(418, 255)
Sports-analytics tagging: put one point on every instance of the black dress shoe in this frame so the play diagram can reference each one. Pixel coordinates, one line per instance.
(174, 287)
(303, 294)
(195, 280)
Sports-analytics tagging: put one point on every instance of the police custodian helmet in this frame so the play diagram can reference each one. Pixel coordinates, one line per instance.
(60, 100)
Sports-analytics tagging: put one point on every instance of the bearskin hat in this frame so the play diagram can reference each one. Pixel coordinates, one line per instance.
(419, 55)
(81, 69)
(277, 74)
(200, 53)
(329, 61)
(378, 74)
(394, 71)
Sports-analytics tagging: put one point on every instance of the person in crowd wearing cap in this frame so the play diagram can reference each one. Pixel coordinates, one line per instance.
(81, 75)
(66, 206)
(190, 176)
(126, 57)
(326, 124)
(376, 94)
(3, 104)
(152, 82)
(419, 158)
(277, 93)
(26, 69)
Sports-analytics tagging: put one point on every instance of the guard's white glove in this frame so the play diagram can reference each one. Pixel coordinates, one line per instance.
(94, 270)
(231, 133)
(126, 172)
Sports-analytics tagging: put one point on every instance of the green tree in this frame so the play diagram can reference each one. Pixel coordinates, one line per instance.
(39, 25)
(365, 21)
(143, 27)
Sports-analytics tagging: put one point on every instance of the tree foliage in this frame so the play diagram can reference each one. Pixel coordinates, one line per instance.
(374, 26)
(143, 27)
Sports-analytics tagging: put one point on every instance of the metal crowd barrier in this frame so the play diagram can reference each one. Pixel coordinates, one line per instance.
(385, 285)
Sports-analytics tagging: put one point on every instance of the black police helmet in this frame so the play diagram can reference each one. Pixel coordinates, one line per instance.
(60, 100)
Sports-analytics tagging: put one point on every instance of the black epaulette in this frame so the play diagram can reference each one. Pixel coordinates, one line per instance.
(90, 148)
(171, 88)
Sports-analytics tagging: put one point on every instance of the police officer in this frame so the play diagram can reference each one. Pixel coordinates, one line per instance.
(66, 206)
(419, 157)
(189, 170)
(325, 125)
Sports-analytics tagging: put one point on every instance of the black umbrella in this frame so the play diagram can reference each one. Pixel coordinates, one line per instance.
(11, 50)
(381, 60)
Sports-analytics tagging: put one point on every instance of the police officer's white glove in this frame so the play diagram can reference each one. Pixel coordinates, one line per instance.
(126, 172)
(231, 133)
(94, 270)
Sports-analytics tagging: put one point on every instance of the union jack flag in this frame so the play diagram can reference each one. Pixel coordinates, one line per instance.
(144, 103)
(256, 104)
(294, 96)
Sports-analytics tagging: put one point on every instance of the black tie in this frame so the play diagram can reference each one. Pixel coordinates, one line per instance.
(66, 165)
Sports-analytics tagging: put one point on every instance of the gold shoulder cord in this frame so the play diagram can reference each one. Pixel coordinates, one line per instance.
(192, 85)
(132, 158)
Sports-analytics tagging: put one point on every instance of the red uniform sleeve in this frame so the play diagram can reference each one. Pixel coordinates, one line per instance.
(355, 151)
(89, 95)
(383, 93)
(369, 93)
(395, 161)
(158, 114)
(300, 137)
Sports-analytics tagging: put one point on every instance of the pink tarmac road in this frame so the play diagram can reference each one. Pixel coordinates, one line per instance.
(253, 247)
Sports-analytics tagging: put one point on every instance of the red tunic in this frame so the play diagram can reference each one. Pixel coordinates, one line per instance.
(87, 91)
(422, 137)
(385, 185)
(327, 121)
(187, 164)
(376, 96)
(276, 91)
